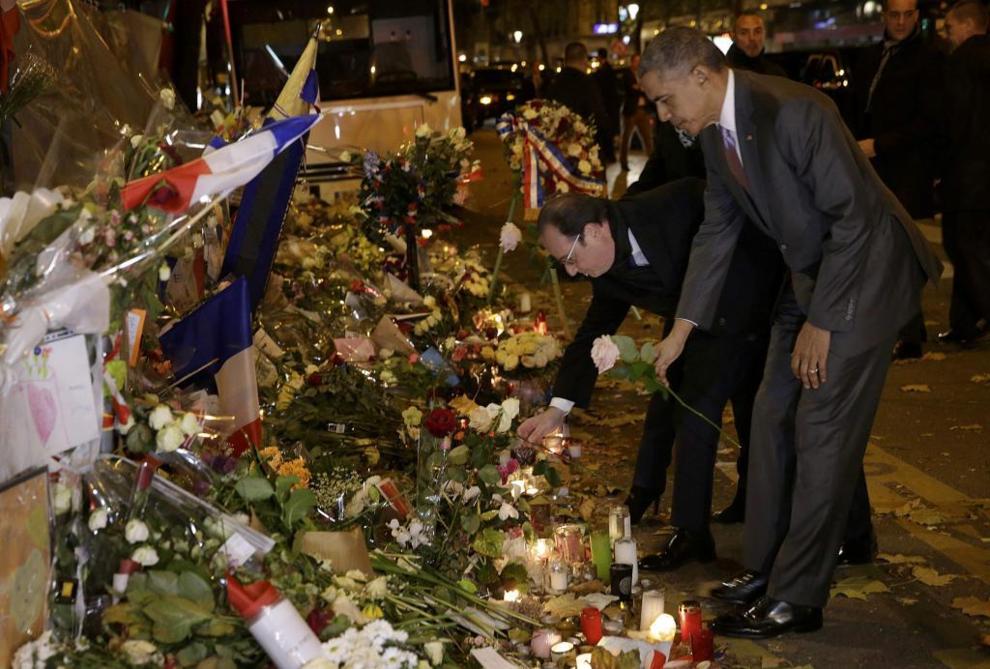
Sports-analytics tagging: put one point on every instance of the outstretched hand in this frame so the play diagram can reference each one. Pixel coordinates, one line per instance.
(536, 427)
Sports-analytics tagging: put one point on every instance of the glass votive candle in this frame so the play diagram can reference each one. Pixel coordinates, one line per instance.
(702, 645)
(601, 554)
(651, 608)
(561, 650)
(570, 542)
(559, 576)
(689, 612)
(573, 448)
(591, 624)
(621, 580)
(619, 523)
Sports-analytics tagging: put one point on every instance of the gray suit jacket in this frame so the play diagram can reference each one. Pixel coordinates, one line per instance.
(856, 258)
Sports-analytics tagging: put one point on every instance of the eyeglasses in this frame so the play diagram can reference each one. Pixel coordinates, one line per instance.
(898, 16)
(568, 260)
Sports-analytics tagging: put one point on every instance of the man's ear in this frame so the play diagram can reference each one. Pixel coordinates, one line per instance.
(700, 74)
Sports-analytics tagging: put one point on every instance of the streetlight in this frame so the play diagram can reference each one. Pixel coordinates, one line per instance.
(517, 36)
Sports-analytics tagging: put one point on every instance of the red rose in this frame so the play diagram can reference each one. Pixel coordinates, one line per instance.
(441, 422)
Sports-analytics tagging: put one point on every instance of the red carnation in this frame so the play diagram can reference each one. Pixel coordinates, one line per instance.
(441, 423)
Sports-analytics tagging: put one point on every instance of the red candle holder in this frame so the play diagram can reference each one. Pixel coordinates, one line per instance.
(591, 625)
(702, 645)
(689, 612)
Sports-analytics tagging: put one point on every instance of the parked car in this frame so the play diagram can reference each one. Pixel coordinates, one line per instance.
(492, 92)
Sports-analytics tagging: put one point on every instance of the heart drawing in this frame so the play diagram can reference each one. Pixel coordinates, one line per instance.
(43, 411)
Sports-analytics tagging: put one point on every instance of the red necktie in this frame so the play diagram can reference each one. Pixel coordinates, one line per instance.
(732, 157)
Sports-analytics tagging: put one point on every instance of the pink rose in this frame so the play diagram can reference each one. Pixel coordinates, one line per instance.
(604, 353)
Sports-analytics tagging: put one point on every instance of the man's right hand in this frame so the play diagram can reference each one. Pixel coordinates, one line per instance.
(670, 348)
(533, 429)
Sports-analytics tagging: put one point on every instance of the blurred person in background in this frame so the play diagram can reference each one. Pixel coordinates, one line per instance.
(574, 88)
(637, 114)
(749, 37)
(608, 84)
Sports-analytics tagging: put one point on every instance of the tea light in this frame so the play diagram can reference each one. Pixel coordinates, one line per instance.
(663, 628)
(652, 607)
(573, 448)
(560, 650)
(525, 303)
(584, 661)
(511, 596)
(559, 576)
(690, 614)
(541, 549)
(619, 523)
(542, 641)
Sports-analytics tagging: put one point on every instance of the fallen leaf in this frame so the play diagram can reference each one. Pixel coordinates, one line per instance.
(980, 378)
(926, 517)
(907, 601)
(620, 420)
(858, 587)
(897, 558)
(929, 576)
(933, 356)
(973, 427)
(916, 388)
(564, 606)
(587, 508)
(599, 600)
(771, 662)
(972, 606)
(906, 508)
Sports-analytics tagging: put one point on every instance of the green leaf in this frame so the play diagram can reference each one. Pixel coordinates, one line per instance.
(459, 455)
(627, 348)
(489, 474)
(298, 506)
(139, 439)
(489, 542)
(648, 353)
(470, 523)
(216, 628)
(254, 488)
(515, 572)
(195, 588)
(283, 485)
(174, 617)
(468, 585)
(163, 582)
(192, 654)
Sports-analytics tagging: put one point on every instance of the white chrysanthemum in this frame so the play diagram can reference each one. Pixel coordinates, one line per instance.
(160, 416)
(136, 531)
(170, 438)
(98, 519)
(189, 424)
(146, 556)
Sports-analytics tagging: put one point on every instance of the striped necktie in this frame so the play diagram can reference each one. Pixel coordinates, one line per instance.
(732, 157)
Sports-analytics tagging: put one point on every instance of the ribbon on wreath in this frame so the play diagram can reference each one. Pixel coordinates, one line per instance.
(542, 157)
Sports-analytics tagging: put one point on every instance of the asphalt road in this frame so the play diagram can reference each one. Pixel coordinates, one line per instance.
(928, 469)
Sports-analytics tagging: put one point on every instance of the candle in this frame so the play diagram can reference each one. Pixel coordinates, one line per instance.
(618, 523)
(584, 661)
(570, 542)
(625, 553)
(541, 549)
(574, 448)
(558, 576)
(542, 641)
(702, 645)
(601, 554)
(690, 614)
(621, 580)
(525, 303)
(663, 628)
(511, 596)
(591, 624)
(653, 605)
(518, 488)
(560, 650)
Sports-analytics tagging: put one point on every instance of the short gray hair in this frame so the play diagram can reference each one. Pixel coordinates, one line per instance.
(679, 49)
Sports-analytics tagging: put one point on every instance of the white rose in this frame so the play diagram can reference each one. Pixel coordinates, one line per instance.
(160, 417)
(140, 652)
(471, 493)
(480, 419)
(459, 133)
(189, 424)
(146, 556)
(136, 531)
(605, 353)
(98, 519)
(169, 439)
(377, 588)
(167, 96)
(164, 272)
(424, 131)
(507, 511)
(509, 237)
(63, 498)
(434, 649)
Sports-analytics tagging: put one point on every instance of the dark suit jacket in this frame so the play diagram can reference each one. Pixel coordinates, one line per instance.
(903, 117)
(664, 221)
(608, 84)
(966, 138)
(670, 160)
(856, 257)
(761, 64)
(579, 93)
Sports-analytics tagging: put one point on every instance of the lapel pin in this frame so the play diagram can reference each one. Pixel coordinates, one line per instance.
(749, 138)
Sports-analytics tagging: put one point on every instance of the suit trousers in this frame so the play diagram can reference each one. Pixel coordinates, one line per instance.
(966, 236)
(640, 121)
(806, 468)
(712, 370)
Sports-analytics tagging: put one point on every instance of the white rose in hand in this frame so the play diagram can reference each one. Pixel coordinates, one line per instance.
(604, 353)
(509, 237)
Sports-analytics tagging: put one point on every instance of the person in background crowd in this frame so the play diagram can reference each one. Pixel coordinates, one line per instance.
(574, 88)
(749, 38)
(634, 251)
(637, 114)
(898, 90)
(965, 171)
(781, 161)
(608, 84)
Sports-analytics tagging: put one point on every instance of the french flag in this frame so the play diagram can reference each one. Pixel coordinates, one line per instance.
(211, 347)
(219, 171)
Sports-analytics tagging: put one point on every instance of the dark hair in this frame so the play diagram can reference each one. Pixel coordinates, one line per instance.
(680, 49)
(735, 21)
(972, 10)
(575, 51)
(570, 212)
(603, 52)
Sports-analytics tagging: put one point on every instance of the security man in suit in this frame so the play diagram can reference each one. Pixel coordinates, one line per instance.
(780, 160)
(635, 251)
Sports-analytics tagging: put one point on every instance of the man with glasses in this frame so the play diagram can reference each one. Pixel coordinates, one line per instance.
(635, 252)
(898, 92)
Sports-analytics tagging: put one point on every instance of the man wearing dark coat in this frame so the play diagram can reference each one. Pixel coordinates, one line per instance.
(780, 160)
(635, 252)
(608, 84)
(749, 38)
(574, 88)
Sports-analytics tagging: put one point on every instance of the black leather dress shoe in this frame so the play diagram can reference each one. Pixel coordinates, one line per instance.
(963, 339)
(907, 350)
(769, 618)
(639, 500)
(860, 551)
(732, 514)
(744, 588)
(684, 546)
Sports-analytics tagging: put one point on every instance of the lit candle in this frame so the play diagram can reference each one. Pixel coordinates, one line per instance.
(663, 628)
(511, 596)
(541, 549)
(591, 624)
(702, 645)
(653, 605)
(570, 542)
(574, 448)
(625, 553)
(559, 576)
(690, 614)
(561, 650)
(618, 521)
(525, 303)
(542, 641)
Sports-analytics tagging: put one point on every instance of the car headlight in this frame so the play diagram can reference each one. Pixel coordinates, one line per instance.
(510, 97)
(485, 99)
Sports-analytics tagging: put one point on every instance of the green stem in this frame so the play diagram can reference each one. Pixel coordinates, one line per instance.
(670, 391)
(494, 282)
(559, 299)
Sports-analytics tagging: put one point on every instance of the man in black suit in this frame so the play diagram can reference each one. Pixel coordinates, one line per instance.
(898, 91)
(780, 160)
(635, 250)
(966, 171)
(574, 88)
(608, 84)
(749, 37)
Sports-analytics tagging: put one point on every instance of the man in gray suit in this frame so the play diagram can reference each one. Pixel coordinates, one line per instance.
(778, 155)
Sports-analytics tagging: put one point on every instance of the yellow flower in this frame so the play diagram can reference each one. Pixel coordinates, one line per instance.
(298, 469)
(488, 353)
(372, 612)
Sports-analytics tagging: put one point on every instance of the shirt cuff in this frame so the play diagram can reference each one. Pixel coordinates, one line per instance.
(562, 404)
(686, 320)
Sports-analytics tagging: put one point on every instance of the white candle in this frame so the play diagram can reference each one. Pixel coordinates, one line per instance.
(558, 577)
(541, 550)
(574, 449)
(525, 303)
(559, 650)
(625, 553)
(653, 605)
(663, 628)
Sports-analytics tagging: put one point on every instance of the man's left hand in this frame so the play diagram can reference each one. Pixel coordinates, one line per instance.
(869, 147)
(810, 357)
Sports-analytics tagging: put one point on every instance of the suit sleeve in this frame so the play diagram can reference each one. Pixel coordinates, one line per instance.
(576, 378)
(820, 150)
(711, 253)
